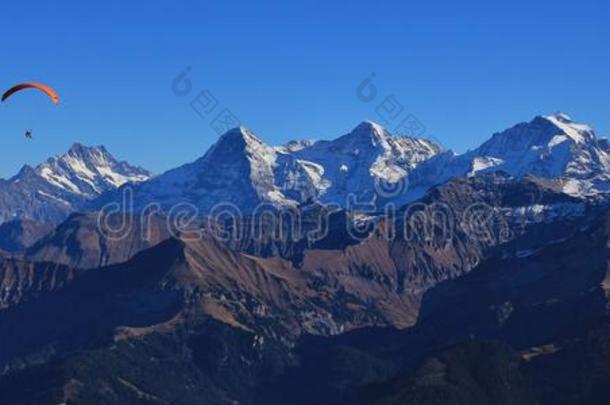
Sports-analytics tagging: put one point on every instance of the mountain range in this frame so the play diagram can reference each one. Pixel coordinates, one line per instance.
(365, 167)
(240, 169)
(369, 165)
(487, 284)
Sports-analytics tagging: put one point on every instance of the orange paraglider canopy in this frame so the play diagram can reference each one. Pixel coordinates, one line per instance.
(44, 88)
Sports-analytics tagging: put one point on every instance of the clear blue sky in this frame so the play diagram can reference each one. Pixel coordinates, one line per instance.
(290, 70)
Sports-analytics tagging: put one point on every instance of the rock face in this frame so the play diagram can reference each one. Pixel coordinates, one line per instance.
(83, 241)
(548, 305)
(528, 296)
(61, 185)
(176, 282)
(19, 234)
(22, 280)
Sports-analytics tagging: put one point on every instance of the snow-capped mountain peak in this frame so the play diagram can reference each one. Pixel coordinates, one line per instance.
(552, 146)
(352, 164)
(543, 146)
(241, 135)
(89, 171)
(237, 169)
(50, 191)
(238, 143)
(578, 133)
(369, 131)
(367, 135)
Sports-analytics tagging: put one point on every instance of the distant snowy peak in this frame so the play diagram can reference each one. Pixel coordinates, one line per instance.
(372, 136)
(89, 171)
(553, 146)
(331, 171)
(237, 170)
(542, 132)
(244, 155)
(548, 146)
(369, 143)
(241, 143)
(367, 133)
(239, 138)
(578, 133)
(63, 184)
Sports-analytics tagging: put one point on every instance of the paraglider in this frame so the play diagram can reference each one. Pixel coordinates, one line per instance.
(42, 87)
(31, 85)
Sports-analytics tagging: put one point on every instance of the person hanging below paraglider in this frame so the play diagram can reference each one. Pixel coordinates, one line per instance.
(28, 134)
